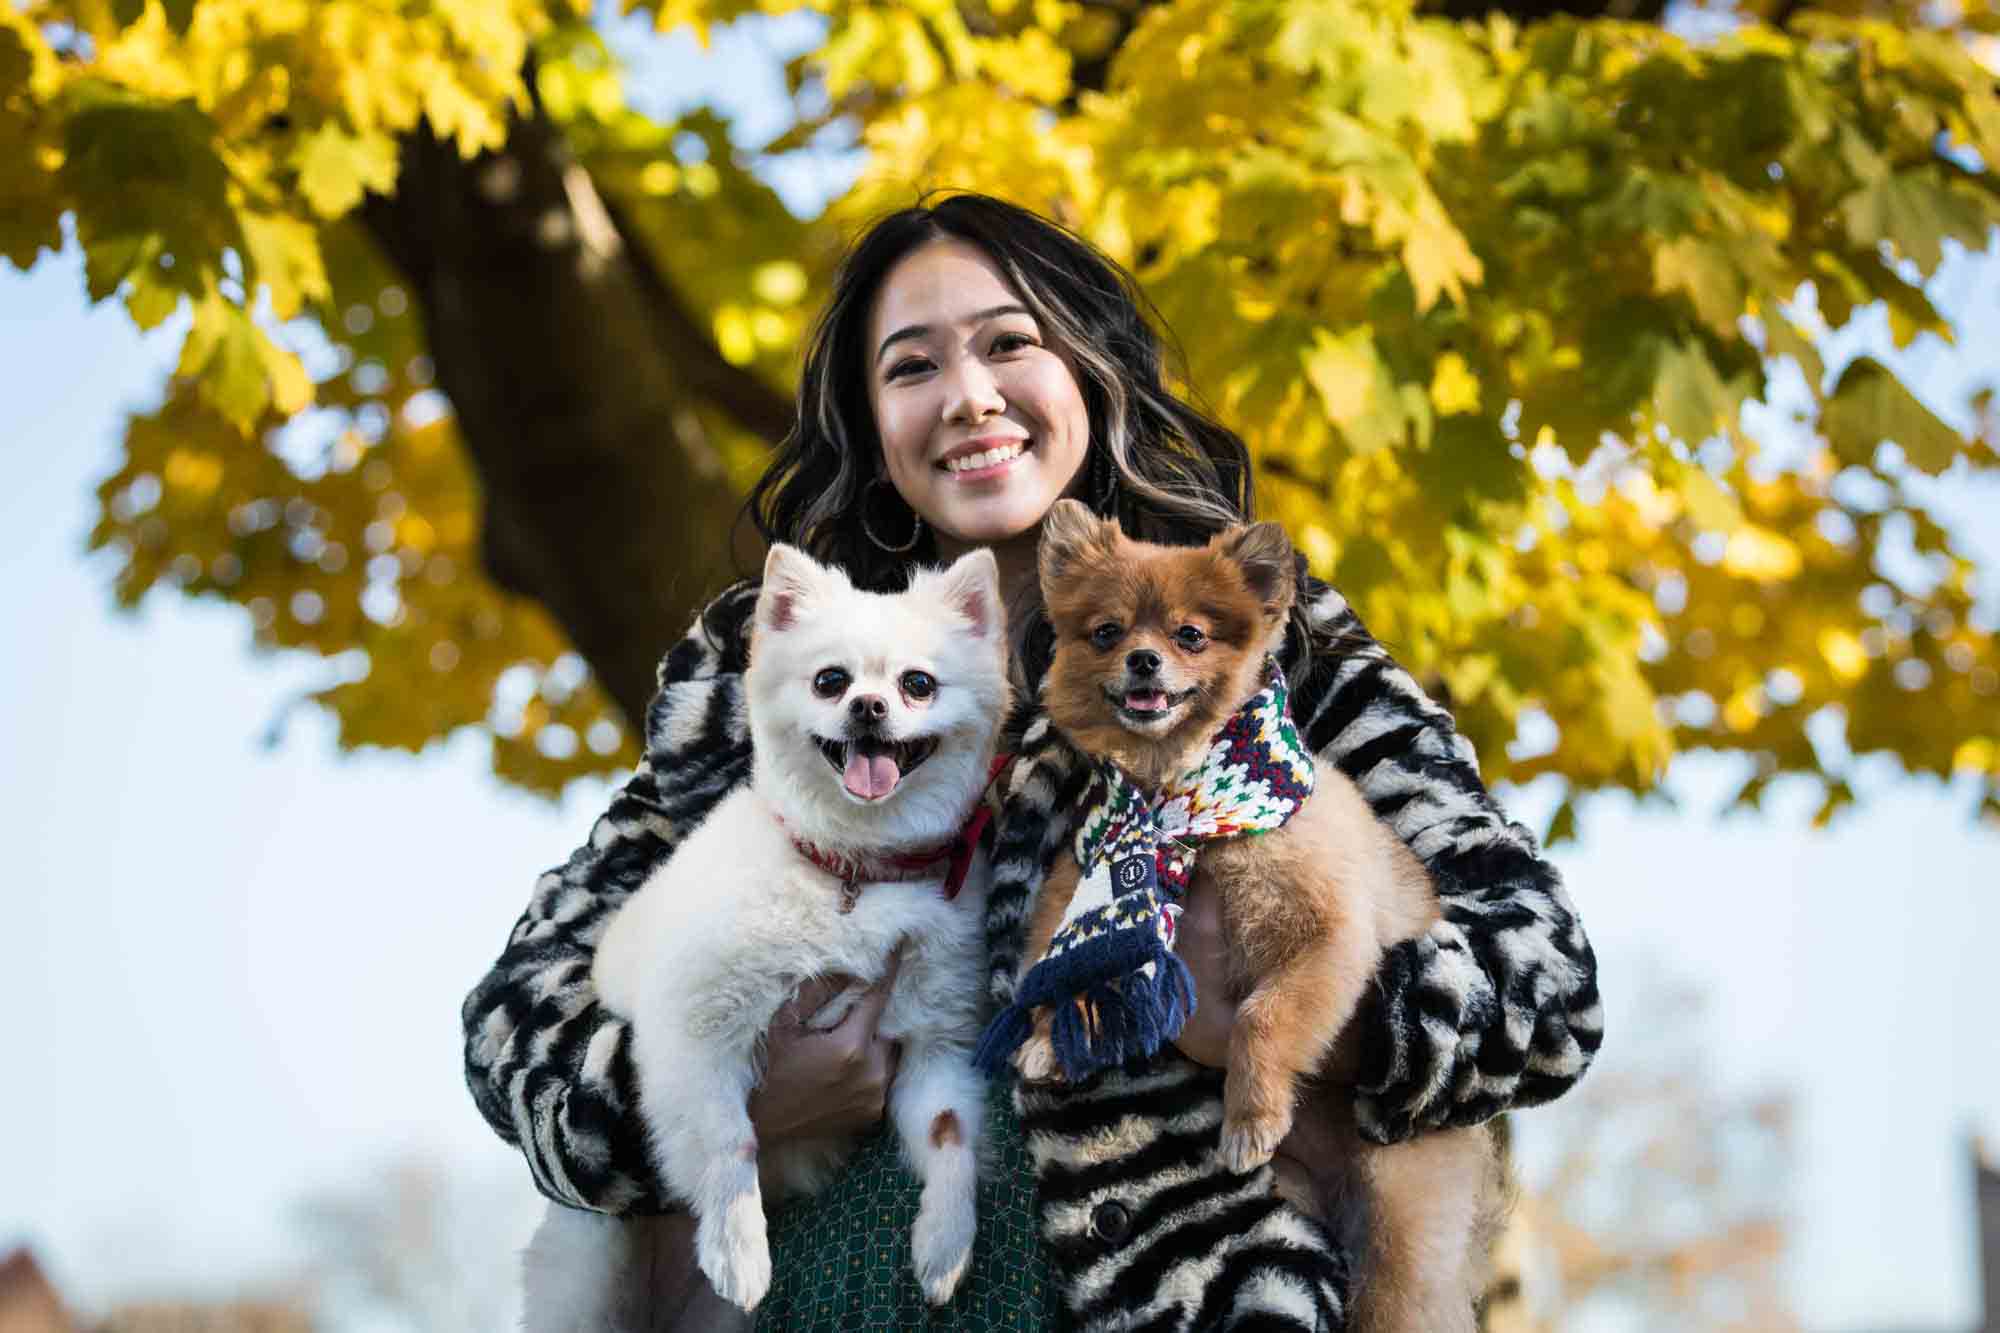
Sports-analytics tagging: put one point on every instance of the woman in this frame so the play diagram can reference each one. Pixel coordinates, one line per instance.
(975, 364)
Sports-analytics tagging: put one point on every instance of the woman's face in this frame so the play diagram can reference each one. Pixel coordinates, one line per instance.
(983, 427)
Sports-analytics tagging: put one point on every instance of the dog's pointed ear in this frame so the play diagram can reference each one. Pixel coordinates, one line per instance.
(1264, 553)
(792, 579)
(1068, 531)
(971, 587)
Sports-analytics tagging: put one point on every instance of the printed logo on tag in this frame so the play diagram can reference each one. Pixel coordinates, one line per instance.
(1170, 917)
(1133, 872)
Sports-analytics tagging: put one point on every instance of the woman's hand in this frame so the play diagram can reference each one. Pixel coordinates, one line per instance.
(821, 1079)
(1199, 941)
(831, 1082)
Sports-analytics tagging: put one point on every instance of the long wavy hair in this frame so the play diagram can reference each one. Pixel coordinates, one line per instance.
(1165, 469)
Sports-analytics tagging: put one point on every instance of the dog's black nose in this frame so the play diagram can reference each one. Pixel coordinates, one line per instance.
(1144, 662)
(868, 708)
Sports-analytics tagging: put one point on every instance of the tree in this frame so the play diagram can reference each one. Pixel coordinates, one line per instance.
(1652, 1198)
(479, 355)
(408, 1245)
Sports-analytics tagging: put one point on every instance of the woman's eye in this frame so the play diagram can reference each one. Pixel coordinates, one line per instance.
(919, 684)
(1013, 342)
(830, 683)
(914, 365)
(1190, 638)
(1107, 634)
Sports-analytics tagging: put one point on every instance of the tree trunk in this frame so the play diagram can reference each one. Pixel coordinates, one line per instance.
(573, 369)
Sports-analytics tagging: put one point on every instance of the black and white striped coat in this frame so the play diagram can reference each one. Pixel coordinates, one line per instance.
(1496, 1007)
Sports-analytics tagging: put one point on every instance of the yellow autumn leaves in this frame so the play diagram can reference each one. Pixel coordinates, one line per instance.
(201, 146)
(1487, 302)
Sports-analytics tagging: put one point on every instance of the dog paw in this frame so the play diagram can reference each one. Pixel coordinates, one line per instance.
(1249, 1141)
(941, 1244)
(735, 1253)
(1036, 1060)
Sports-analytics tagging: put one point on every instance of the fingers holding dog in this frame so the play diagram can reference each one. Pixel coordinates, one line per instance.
(827, 1079)
(1201, 943)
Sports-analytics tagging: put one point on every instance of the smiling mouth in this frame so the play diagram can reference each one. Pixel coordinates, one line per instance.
(1147, 704)
(986, 460)
(870, 768)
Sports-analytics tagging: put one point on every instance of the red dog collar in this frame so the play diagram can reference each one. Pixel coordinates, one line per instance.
(853, 872)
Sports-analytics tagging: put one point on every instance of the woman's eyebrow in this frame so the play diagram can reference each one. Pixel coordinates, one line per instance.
(976, 317)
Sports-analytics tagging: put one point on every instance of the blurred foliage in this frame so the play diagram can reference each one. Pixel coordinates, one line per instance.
(1487, 299)
(1654, 1199)
(409, 1245)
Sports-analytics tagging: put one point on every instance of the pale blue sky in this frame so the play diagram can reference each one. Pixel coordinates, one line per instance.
(235, 972)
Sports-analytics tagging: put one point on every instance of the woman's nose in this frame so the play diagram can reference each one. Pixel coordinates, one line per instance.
(974, 393)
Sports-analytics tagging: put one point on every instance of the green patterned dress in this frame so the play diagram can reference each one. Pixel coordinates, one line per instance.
(841, 1259)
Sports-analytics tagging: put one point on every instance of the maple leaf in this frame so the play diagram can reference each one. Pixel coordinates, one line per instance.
(1870, 405)
(335, 168)
(1916, 210)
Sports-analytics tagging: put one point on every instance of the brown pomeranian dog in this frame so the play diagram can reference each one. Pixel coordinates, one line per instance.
(1158, 647)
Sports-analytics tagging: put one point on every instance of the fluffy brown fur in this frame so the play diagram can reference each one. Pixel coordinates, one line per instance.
(1308, 909)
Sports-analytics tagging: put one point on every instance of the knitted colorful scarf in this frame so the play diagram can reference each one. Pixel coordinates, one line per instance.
(1118, 990)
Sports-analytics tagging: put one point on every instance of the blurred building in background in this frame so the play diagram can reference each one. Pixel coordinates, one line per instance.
(1988, 1173)
(29, 1304)
(1986, 1178)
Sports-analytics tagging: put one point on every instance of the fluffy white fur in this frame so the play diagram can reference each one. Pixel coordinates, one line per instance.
(722, 936)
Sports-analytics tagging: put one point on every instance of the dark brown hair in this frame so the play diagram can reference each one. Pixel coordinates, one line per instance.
(1163, 468)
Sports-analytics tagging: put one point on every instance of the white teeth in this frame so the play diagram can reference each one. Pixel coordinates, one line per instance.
(989, 458)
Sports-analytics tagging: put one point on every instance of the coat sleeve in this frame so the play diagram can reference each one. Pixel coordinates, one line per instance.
(547, 1066)
(1496, 1006)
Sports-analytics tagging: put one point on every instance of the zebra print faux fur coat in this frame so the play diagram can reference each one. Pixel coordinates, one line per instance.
(1496, 1007)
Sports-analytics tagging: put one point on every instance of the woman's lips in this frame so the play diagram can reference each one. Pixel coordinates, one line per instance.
(979, 464)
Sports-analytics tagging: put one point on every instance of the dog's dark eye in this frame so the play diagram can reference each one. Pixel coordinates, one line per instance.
(1107, 634)
(831, 683)
(1191, 638)
(919, 684)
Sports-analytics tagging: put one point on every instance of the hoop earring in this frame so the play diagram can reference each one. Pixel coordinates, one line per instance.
(916, 531)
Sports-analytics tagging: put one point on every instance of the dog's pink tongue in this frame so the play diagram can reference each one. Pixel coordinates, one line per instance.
(870, 776)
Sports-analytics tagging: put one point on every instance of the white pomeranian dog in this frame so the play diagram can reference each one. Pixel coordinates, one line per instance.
(873, 721)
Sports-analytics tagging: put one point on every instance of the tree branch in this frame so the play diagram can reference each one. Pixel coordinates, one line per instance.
(1781, 13)
(1093, 74)
(1534, 11)
(574, 371)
